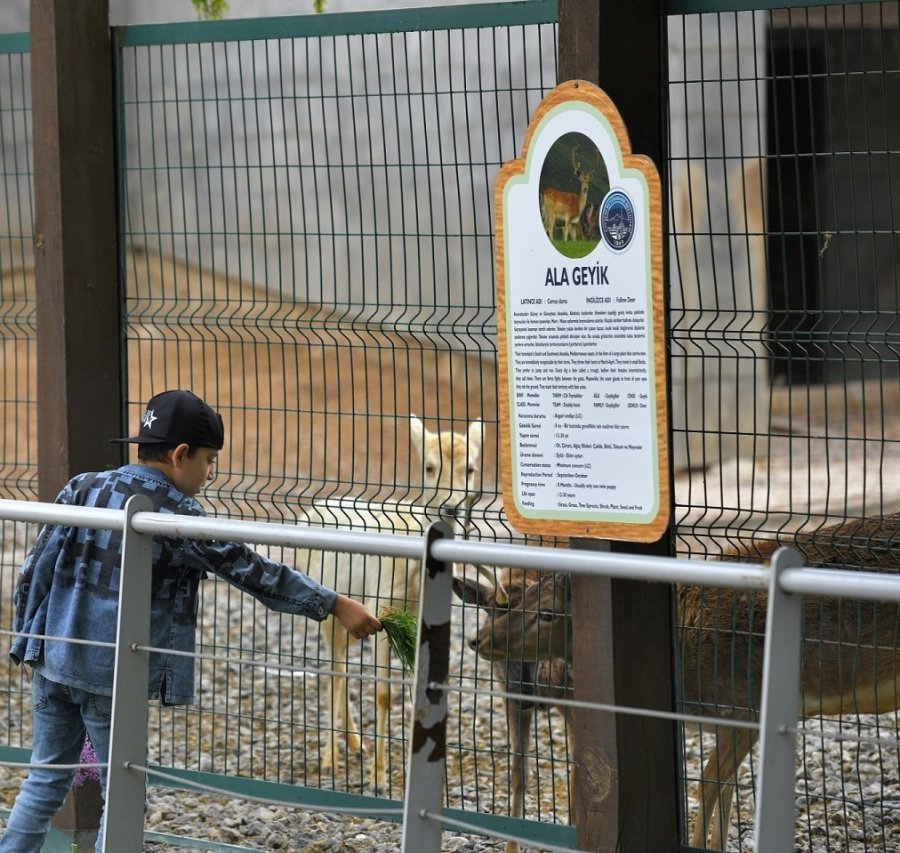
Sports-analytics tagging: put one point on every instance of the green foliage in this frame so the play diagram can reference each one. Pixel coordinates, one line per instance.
(575, 248)
(212, 10)
(402, 630)
(558, 172)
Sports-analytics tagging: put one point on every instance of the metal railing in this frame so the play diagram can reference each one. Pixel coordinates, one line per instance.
(423, 820)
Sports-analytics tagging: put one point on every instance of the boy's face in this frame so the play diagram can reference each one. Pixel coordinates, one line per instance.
(191, 472)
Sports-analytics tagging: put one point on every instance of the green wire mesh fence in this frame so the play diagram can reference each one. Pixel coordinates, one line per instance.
(18, 351)
(17, 306)
(307, 209)
(307, 224)
(785, 151)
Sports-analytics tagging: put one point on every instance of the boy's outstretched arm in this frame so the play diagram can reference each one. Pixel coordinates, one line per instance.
(355, 617)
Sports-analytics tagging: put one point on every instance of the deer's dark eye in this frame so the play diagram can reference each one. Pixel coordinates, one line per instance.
(429, 469)
(546, 615)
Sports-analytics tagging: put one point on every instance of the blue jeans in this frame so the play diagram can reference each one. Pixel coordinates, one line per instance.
(61, 717)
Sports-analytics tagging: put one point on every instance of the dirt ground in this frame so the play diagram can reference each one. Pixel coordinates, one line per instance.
(316, 402)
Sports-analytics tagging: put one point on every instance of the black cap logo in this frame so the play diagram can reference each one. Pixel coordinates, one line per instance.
(179, 417)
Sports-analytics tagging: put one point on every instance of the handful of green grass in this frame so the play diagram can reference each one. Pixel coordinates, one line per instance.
(401, 628)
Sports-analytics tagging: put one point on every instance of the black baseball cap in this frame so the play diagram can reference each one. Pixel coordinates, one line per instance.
(179, 417)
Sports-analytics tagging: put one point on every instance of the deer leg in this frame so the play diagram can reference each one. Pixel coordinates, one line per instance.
(717, 785)
(382, 709)
(738, 744)
(518, 678)
(340, 717)
(707, 795)
(327, 693)
(722, 817)
(518, 719)
(548, 226)
(345, 714)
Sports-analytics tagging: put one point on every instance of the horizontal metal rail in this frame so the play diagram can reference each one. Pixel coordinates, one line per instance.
(806, 581)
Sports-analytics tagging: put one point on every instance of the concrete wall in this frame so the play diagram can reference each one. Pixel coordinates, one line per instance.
(250, 174)
(343, 170)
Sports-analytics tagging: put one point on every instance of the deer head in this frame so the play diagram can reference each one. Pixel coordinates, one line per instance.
(451, 464)
(524, 621)
(585, 176)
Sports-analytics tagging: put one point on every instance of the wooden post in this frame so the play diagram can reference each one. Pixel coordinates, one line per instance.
(626, 788)
(75, 233)
(76, 268)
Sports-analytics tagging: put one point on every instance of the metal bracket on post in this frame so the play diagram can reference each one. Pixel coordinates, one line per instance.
(428, 753)
(775, 797)
(125, 787)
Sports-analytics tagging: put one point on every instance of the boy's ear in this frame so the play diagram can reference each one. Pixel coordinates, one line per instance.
(180, 454)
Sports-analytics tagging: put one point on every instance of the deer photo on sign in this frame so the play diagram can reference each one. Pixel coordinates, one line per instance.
(574, 181)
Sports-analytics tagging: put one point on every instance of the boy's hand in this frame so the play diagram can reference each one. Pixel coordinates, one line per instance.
(355, 617)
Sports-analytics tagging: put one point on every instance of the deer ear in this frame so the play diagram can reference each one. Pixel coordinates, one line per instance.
(476, 437)
(472, 592)
(417, 432)
(562, 590)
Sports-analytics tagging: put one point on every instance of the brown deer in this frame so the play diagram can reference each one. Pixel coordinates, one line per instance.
(524, 672)
(559, 206)
(850, 659)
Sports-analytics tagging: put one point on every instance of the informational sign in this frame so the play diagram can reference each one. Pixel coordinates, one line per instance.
(583, 432)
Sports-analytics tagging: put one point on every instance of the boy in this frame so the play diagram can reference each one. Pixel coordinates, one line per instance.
(69, 587)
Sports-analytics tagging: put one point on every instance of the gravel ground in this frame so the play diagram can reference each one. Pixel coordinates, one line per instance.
(477, 766)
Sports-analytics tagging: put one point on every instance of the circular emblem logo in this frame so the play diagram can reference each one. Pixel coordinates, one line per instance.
(617, 220)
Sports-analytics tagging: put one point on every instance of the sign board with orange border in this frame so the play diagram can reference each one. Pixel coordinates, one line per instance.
(583, 424)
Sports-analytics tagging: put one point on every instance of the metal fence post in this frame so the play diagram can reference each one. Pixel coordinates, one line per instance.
(428, 753)
(126, 788)
(775, 797)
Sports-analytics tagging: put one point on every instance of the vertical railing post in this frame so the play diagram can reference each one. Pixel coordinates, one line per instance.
(428, 752)
(780, 707)
(125, 787)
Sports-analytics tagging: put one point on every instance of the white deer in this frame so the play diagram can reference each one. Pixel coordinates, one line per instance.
(452, 482)
(559, 206)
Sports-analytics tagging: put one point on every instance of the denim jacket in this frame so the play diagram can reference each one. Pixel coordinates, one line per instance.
(69, 587)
